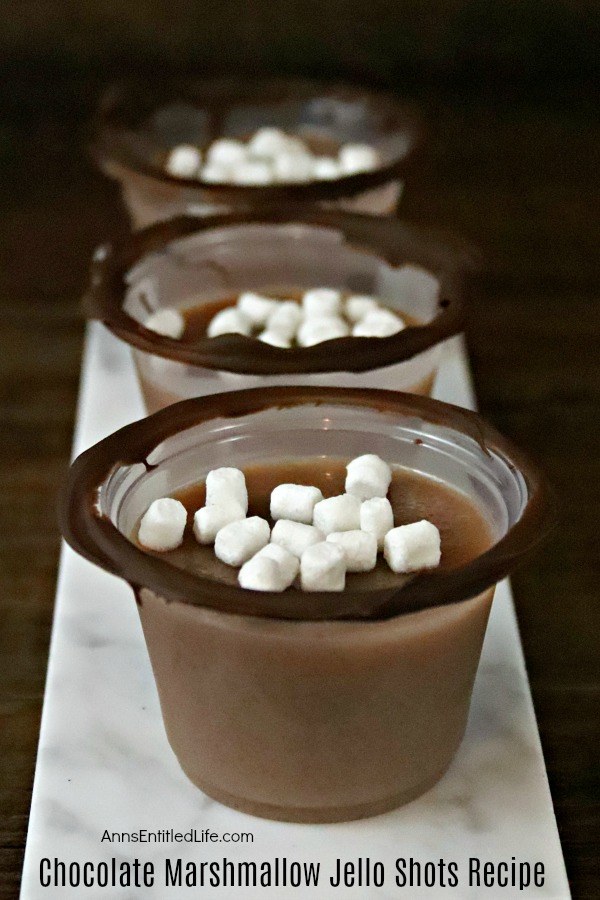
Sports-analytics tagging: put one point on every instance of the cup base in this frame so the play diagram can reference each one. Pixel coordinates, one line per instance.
(314, 815)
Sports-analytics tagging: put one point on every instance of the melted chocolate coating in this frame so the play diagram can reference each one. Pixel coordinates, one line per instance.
(97, 539)
(124, 133)
(389, 239)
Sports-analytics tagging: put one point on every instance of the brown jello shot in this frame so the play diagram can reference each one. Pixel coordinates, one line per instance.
(173, 149)
(194, 268)
(309, 705)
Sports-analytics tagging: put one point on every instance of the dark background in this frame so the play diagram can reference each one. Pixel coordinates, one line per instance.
(508, 88)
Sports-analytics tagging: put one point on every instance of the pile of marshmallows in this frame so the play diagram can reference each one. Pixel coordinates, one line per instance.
(320, 538)
(323, 315)
(269, 157)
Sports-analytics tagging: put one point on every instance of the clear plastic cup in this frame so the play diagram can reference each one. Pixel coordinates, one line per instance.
(309, 707)
(193, 261)
(137, 127)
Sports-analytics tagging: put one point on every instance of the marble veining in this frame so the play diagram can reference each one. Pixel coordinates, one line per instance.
(104, 761)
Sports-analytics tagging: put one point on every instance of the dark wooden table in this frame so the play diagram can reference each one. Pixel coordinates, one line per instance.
(520, 178)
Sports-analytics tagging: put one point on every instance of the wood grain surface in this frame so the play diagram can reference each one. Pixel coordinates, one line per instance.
(517, 176)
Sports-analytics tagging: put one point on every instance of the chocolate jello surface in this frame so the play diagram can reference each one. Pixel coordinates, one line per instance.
(180, 268)
(300, 704)
(465, 533)
(196, 146)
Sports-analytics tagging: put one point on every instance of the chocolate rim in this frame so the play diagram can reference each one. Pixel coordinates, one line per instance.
(98, 540)
(123, 103)
(395, 242)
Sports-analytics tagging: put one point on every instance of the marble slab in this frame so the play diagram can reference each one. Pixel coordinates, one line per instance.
(104, 762)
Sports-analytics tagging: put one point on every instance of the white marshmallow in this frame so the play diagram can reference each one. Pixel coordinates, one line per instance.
(354, 158)
(409, 548)
(237, 542)
(321, 302)
(378, 323)
(357, 307)
(255, 307)
(288, 563)
(184, 161)
(377, 518)
(167, 322)
(253, 172)
(227, 486)
(285, 319)
(274, 339)
(315, 331)
(295, 537)
(341, 513)
(213, 173)
(295, 502)
(325, 168)
(268, 142)
(292, 167)
(209, 520)
(417, 285)
(368, 476)
(226, 152)
(163, 524)
(360, 549)
(323, 568)
(261, 574)
(228, 321)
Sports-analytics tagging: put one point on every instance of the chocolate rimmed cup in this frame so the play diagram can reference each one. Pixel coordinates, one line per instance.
(190, 261)
(299, 706)
(137, 126)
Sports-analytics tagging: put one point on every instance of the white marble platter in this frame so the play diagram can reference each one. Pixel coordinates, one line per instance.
(104, 762)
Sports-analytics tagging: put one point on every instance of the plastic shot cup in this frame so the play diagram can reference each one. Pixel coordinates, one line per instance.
(136, 128)
(192, 262)
(309, 707)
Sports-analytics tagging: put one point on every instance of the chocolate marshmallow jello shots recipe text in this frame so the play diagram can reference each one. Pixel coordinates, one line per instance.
(281, 296)
(212, 145)
(314, 569)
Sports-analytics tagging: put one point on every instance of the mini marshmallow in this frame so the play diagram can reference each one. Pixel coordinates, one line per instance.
(288, 563)
(229, 321)
(292, 167)
(274, 339)
(409, 548)
(325, 168)
(285, 319)
(357, 307)
(209, 520)
(226, 486)
(294, 501)
(323, 568)
(166, 322)
(268, 142)
(321, 302)
(368, 476)
(341, 513)
(253, 172)
(163, 524)
(255, 307)
(261, 574)
(237, 542)
(377, 518)
(226, 152)
(360, 549)
(316, 330)
(354, 158)
(295, 537)
(184, 161)
(378, 323)
(213, 173)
